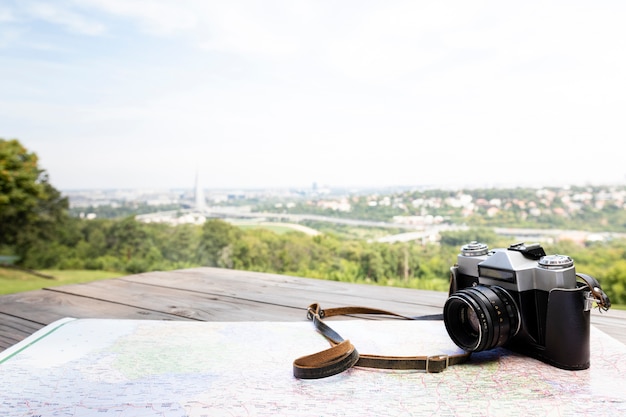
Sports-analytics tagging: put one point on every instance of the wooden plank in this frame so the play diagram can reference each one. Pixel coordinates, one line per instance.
(213, 294)
(294, 291)
(432, 298)
(299, 292)
(14, 329)
(181, 303)
(46, 306)
(612, 322)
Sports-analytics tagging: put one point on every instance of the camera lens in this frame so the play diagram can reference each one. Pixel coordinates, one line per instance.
(472, 318)
(481, 317)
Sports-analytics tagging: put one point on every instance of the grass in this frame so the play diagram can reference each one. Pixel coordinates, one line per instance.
(14, 281)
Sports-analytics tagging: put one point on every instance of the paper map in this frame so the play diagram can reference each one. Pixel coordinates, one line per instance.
(128, 368)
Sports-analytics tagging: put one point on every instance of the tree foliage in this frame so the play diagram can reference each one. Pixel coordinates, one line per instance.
(31, 209)
(125, 245)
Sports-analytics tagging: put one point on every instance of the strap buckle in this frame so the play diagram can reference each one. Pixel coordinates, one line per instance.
(314, 310)
(437, 363)
(595, 293)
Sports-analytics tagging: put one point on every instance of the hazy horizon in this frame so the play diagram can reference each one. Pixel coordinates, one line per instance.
(276, 94)
(339, 187)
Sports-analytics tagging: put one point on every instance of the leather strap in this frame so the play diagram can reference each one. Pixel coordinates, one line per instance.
(343, 355)
(599, 296)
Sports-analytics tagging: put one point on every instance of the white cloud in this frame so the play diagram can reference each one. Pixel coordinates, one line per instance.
(8, 36)
(74, 22)
(6, 15)
(155, 17)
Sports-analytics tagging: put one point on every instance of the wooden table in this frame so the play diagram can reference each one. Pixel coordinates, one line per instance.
(213, 294)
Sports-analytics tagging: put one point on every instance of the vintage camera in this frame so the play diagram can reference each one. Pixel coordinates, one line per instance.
(523, 300)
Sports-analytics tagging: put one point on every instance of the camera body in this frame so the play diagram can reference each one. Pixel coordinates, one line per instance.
(521, 299)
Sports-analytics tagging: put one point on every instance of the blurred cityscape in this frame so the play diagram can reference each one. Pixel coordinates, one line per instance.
(414, 214)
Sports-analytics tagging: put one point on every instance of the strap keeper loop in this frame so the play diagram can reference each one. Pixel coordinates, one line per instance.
(310, 314)
(437, 363)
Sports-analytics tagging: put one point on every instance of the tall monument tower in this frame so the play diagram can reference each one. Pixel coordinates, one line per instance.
(199, 194)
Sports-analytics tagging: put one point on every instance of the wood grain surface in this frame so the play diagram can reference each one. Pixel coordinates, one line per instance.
(214, 294)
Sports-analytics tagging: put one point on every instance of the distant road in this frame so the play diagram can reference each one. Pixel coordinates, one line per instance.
(423, 233)
(517, 235)
(218, 212)
(558, 234)
(295, 218)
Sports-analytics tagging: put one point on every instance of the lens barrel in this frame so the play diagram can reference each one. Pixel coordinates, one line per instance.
(481, 317)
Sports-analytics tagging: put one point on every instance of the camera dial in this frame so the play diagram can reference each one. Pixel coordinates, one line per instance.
(474, 249)
(555, 262)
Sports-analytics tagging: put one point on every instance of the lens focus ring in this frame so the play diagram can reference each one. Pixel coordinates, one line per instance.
(481, 317)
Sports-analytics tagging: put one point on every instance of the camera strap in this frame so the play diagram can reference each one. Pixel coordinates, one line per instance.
(342, 355)
(596, 292)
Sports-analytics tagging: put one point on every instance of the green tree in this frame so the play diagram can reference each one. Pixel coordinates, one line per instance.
(179, 244)
(250, 252)
(372, 265)
(463, 237)
(216, 242)
(31, 209)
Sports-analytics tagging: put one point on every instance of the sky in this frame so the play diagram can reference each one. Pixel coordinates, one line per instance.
(257, 94)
